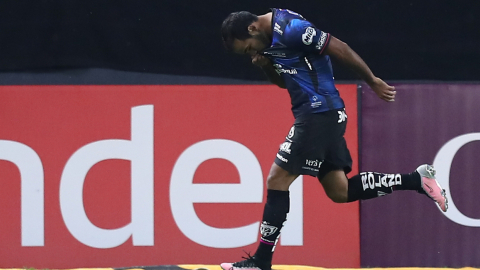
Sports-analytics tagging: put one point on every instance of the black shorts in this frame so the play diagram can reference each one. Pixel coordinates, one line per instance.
(315, 145)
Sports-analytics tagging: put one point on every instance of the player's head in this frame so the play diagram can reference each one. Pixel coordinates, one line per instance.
(241, 33)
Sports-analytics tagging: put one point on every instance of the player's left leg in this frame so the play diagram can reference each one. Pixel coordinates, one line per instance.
(368, 185)
(274, 216)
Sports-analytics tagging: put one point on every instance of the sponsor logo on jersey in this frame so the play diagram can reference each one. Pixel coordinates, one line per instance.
(279, 69)
(277, 29)
(315, 103)
(307, 37)
(275, 54)
(321, 41)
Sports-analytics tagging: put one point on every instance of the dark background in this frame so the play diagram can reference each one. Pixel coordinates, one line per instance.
(400, 40)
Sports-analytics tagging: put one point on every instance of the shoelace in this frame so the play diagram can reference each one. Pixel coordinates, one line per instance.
(249, 257)
(249, 261)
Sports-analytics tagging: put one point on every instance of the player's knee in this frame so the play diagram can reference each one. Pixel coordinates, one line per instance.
(277, 182)
(279, 179)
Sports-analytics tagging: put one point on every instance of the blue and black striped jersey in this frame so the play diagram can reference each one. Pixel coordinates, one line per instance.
(297, 55)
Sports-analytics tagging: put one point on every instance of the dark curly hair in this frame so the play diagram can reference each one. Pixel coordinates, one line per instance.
(235, 26)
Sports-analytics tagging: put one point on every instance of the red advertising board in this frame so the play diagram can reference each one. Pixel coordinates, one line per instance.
(116, 176)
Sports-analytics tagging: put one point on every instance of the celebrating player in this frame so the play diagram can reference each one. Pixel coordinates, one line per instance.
(295, 55)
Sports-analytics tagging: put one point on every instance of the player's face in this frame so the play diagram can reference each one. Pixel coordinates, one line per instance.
(252, 45)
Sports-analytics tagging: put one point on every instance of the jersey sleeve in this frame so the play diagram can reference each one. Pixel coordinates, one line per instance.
(304, 36)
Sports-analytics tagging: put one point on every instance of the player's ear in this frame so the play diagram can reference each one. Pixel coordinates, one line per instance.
(252, 29)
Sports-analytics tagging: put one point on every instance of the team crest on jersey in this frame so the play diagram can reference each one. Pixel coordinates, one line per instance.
(307, 37)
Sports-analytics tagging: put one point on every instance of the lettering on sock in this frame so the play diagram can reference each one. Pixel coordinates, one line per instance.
(372, 180)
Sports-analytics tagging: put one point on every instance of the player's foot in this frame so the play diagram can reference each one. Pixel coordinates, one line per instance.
(249, 263)
(431, 187)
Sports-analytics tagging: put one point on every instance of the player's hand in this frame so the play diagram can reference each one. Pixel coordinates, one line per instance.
(260, 60)
(383, 90)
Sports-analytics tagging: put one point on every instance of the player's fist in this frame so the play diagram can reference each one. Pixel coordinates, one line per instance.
(260, 60)
(383, 90)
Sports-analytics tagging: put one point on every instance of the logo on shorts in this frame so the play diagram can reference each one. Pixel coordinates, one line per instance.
(282, 158)
(307, 37)
(342, 116)
(313, 163)
(291, 132)
(267, 230)
(285, 147)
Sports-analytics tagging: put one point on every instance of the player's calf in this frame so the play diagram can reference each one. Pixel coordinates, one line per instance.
(337, 196)
(335, 184)
(368, 185)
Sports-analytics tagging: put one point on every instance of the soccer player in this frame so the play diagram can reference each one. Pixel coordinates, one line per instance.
(295, 55)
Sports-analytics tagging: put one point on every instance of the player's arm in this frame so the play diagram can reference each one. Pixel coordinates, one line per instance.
(344, 54)
(266, 65)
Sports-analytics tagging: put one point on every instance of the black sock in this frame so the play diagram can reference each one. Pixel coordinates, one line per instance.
(370, 185)
(274, 215)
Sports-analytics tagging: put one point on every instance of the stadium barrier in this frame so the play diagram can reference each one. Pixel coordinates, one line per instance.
(91, 173)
